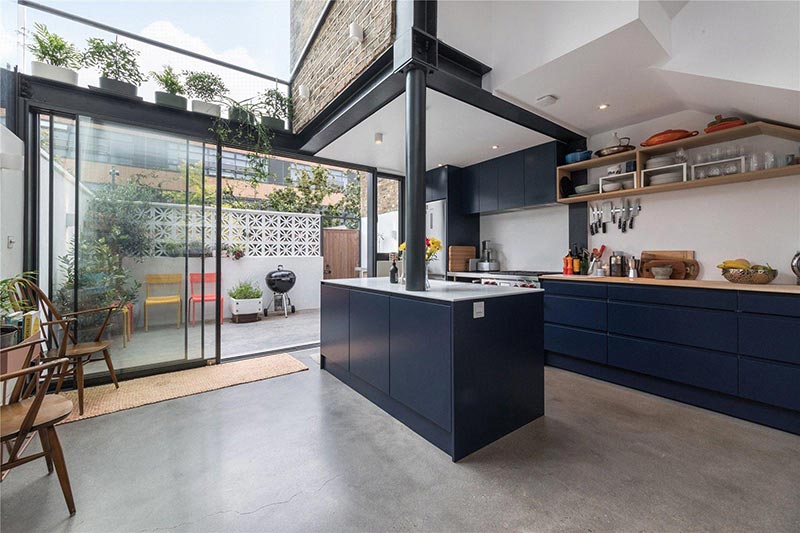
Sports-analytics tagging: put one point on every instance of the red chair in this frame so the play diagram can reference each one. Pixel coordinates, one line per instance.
(199, 281)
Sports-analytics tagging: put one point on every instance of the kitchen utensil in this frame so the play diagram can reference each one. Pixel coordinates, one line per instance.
(749, 275)
(606, 217)
(576, 157)
(663, 179)
(487, 263)
(623, 145)
(610, 187)
(588, 188)
(668, 136)
(660, 161)
(614, 170)
(720, 123)
(796, 266)
(692, 268)
(616, 264)
(627, 215)
(661, 272)
(678, 268)
(637, 207)
(458, 258)
(633, 267)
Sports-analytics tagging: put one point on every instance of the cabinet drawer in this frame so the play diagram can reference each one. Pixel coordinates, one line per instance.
(706, 299)
(579, 343)
(578, 312)
(713, 330)
(773, 338)
(772, 383)
(770, 304)
(576, 288)
(701, 368)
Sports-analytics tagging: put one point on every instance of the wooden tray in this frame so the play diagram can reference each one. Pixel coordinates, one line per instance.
(458, 258)
(649, 255)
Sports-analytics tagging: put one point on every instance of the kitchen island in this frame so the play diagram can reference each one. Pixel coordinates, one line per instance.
(462, 365)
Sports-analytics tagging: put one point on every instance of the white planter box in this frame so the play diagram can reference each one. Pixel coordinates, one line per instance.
(246, 307)
(206, 108)
(51, 72)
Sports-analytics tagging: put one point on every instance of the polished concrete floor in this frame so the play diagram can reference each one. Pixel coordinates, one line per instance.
(158, 345)
(305, 453)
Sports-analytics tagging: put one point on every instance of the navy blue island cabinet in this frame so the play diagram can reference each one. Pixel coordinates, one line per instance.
(462, 365)
(730, 348)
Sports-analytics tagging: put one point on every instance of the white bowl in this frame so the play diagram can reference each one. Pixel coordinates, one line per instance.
(610, 187)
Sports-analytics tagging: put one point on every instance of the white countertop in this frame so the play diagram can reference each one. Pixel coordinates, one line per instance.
(482, 275)
(445, 291)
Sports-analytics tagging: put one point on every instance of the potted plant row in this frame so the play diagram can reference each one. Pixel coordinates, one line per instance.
(118, 66)
(56, 59)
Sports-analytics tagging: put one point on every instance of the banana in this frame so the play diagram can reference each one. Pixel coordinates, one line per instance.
(734, 263)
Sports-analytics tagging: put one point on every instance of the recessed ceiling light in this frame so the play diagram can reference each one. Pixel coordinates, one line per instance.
(440, 165)
(379, 138)
(495, 147)
(603, 106)
(546, 100)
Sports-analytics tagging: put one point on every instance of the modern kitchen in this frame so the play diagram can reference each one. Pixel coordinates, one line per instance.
(660, 251)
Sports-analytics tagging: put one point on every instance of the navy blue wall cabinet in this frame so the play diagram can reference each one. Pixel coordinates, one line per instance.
(520, 179)
(510, 181)
(458, 381)
(436, 184)
(737, 352)
(462, 224)
(487, 186)
(369, 338)
(540, 172)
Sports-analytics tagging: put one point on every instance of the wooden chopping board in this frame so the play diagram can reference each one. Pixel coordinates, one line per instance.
(678, 268)
(458, 258)
(650, 255)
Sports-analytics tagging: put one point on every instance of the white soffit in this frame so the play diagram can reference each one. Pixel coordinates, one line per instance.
(456, 134)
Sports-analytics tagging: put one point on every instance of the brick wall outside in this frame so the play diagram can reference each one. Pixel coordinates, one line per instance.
(302, 17)
(333, 61)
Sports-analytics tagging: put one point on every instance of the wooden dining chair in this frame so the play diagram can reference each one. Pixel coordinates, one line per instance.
(31, 410)
(25, 294)
(197, 282)
(151, 281)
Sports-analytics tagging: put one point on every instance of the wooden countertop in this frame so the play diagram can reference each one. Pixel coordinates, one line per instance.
(694, 284)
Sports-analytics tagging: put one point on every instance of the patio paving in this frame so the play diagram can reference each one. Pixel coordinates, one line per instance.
(165, 344)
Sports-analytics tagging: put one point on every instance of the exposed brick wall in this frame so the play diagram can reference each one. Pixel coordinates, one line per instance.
(333, 61)
(303, 16)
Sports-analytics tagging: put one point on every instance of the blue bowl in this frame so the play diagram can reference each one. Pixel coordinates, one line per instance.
(576, 157)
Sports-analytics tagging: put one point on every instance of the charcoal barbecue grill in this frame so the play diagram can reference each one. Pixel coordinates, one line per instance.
(280, 282)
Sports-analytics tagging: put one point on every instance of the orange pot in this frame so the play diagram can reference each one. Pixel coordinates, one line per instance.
(667, 136)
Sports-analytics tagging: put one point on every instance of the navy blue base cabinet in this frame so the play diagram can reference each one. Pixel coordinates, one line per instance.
(460, 382)
(736, 352)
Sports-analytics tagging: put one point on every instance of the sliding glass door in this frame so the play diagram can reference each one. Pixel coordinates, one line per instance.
(130, 222)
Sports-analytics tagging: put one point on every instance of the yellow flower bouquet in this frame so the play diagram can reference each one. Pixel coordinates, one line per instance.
(432, 247)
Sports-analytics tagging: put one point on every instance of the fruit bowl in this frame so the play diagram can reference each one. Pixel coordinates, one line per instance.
(750, 275)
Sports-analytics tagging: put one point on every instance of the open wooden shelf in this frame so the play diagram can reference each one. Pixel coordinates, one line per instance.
(695, 184)
(643, 154)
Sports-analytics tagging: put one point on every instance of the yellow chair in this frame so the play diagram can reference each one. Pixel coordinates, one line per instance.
(152, 280)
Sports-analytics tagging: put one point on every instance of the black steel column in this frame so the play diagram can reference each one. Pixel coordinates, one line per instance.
(415, 179)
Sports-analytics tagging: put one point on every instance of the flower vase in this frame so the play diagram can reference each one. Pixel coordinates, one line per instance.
(427, 279)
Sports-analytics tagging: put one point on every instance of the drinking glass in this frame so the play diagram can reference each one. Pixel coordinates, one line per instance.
(769, 160)
(716, 153)
(714, 171)
(731, 168)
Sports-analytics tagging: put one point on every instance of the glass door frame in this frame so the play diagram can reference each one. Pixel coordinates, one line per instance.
(373, 213)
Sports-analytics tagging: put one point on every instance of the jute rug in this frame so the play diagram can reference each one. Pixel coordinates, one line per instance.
(106, 399)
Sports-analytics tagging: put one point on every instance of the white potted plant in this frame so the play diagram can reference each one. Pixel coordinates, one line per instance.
(119, 69)
(170, 81)
(56, 59)
(207, 88)
(246, 299)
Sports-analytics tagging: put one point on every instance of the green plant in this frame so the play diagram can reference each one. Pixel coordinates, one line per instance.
(53, 49)
(274, 103)
(6, 307)
(169, 80)
(245, 290)
(204, 85)
(251, 135)
(114, 60)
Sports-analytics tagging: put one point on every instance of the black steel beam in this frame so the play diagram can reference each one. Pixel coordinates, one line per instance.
(415, 179)
(461, 65)
(455, 87)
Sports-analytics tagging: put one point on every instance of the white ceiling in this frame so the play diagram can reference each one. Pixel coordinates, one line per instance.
(457, 134)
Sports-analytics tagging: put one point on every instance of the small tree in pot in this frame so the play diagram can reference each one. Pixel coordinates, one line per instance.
(208, 88)
(56, 59)
(116, 61)
(170, 81)
(276, 109)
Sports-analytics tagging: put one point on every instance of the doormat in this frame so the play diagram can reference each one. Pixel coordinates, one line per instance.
(105, 399)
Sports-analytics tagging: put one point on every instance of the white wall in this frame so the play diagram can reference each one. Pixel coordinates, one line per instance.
(12, 197)
(759, 221)
(304, 295)
(531, 239)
